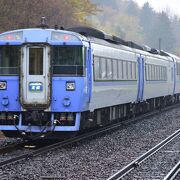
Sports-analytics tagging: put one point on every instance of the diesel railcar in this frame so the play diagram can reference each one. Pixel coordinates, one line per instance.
(55, 82)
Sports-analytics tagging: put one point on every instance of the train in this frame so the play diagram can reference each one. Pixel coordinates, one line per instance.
(57, 82)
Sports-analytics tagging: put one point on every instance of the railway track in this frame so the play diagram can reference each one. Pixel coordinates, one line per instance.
(10, 152)
(81, 137)
(136, 163)
(174, 173)
(12, 147)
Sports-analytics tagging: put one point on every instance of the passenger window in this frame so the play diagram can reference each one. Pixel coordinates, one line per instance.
(109, 69)
(129, 70)
(96, 68)
(133, 71)
(103, 68)
(146, 71)
(120, 70)
(115, 70)
(124, 70)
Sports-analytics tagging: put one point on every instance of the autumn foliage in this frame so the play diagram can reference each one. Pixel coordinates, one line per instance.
(16, 14)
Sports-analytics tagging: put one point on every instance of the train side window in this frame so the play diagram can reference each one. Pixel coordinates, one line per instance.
(177, 68)
(133, 71)
(115, 70)
(103, 69)
(153, 72)
(151, 75)
(163, 77)
(9, 60)
(124, 70)
(149, 72)
(136, 71)
(156, 78)
(109, 69)
(165, 73)
(120, 70)
(160, 73)
(157, 73)
(97, 68)
(146, 72)
(129, 72)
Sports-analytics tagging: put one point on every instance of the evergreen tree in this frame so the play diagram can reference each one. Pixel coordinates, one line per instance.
(176, 29)
(132, 9)
(147, 18)
(162, 30)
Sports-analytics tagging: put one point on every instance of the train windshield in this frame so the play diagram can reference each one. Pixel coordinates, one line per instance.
(69, 60)
(9, 59)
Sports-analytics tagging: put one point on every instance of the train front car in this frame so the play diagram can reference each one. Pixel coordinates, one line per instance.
(44, 82)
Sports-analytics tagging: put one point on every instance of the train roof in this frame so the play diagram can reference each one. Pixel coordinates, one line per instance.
(92, 32)
(174, 57)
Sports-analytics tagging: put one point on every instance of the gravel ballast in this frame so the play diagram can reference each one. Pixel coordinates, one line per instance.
(158, 165)
(100, 157)
(8, 141)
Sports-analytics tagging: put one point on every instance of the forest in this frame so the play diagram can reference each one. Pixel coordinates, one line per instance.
(122, 18)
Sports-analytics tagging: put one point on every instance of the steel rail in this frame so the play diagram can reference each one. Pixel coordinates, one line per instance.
(94, 133)
(50, 177)
(134, 164)
(173, 173)
(11, 147)
(60, 144)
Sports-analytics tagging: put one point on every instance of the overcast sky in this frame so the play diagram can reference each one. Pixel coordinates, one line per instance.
(159, 5)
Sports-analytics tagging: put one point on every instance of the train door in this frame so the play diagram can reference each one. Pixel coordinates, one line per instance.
(140, 65)
(89, 58)
(35, 76)
(172, 83)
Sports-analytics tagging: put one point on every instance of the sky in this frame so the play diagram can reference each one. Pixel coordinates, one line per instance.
(173, 6)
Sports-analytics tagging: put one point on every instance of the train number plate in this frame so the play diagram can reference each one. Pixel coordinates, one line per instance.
(35, 86)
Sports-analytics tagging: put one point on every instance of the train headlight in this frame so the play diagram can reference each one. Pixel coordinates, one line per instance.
(14, 36)
(70, 86)
(3, 85)
(59, 36)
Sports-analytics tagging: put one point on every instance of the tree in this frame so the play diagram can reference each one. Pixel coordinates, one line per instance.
(162, 30)
(132, 9)
(147, 18)
(176, 29)
(24, 14)
(117, 23)
(82, 9)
